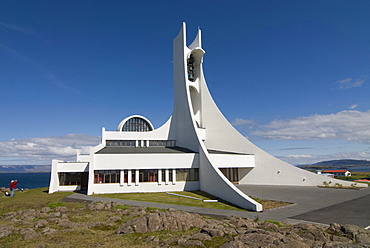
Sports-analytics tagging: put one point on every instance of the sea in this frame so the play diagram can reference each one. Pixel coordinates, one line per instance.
(26, 180)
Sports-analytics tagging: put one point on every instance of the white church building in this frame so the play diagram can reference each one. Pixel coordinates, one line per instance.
(196, 149)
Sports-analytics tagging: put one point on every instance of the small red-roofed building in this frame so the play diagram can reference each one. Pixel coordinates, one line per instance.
(362, 180)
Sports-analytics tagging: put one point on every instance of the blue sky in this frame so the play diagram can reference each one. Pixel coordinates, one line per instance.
(292, 76)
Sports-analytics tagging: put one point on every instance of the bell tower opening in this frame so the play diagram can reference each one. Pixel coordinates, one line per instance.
(191, 71)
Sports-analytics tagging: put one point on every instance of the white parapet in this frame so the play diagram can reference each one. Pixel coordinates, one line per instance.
(232, 160)
(72, 167)
(146, 161)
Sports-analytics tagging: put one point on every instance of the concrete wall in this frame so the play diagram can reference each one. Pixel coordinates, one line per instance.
(145, 161)
(54, 180)
(231, 160)
(72, 166)
(157, 134)
(105, 188)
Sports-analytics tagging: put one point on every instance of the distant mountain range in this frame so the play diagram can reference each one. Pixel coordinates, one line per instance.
(342, 163)
(24, 168)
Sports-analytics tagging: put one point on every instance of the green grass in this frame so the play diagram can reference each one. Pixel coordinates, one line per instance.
(274, 222)
(122, 207)
(30, 199)
(163, 198)
(101, 234)
(357, 175)
(53, 205)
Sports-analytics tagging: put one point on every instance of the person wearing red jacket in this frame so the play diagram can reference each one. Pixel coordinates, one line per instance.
(13, 185)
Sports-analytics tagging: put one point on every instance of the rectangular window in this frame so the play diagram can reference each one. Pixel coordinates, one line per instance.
(170, 143)
(170, 178)
(69, 178)
(133, 176)
(106, 176)
(148, 176)
(130, 143)
(231, 173)
(181, 174)
(194, 175)
(163, 175)
(125, 176)
(187, 175)
(162, 143)
(124, 143)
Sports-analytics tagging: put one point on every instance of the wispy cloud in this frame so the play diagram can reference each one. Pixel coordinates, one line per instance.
(296, 148)
(349, 125)
(240, 122)
(41, 70)
(41, 150)
(58, 83)
(11, 27)
(353, 106)
(348, 83)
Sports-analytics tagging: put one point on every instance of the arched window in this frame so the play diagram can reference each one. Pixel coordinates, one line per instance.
(135, 124)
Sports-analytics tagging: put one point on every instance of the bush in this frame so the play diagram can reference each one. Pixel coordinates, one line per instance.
(123, 207)
(53, 205)
(274, 222)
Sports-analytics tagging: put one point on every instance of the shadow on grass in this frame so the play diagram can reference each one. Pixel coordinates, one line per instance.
(81, 191)
(212, 197)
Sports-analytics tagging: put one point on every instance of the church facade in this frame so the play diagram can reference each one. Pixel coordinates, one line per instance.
(196, 149)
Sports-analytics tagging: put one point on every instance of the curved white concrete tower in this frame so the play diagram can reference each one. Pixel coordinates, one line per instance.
(194, 110)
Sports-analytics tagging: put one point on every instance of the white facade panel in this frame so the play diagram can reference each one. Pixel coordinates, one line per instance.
(201, 132)
(145, 187)
(73, 167)
(158, 134)
(83, 158)
(232, 160)
(145, 161)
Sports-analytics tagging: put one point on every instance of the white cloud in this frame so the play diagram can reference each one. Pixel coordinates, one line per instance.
(42, 149)
(349, 125)
(353, 106)
(240, 122)
(348, 83)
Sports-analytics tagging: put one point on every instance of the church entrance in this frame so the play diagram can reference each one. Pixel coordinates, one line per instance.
(84, 180)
